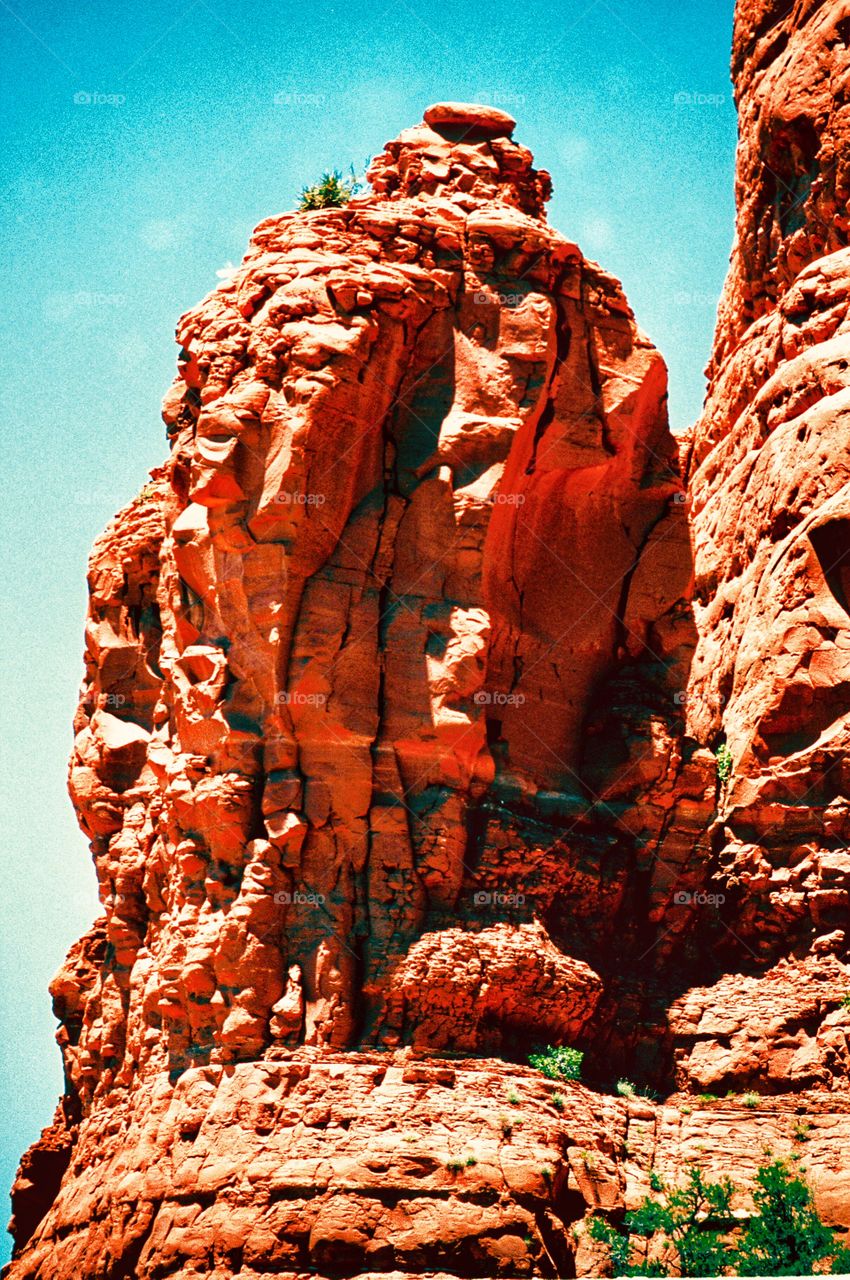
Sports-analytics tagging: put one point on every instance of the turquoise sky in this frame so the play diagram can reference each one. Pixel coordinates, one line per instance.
(143, 144)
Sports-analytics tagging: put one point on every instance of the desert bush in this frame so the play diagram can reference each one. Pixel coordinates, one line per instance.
(690, 1231)
(557, 1062)
(332, 191)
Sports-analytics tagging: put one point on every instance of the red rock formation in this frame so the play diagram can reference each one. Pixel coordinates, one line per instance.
(420, 474)
(770, 490)
(382, 752)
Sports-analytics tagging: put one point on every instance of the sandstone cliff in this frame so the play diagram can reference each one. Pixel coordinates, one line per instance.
(397, 746)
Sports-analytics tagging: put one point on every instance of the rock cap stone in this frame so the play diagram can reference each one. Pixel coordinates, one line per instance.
(472, 118)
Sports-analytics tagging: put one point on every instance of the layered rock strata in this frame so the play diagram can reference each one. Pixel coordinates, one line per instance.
(770, 514)
(405, 680)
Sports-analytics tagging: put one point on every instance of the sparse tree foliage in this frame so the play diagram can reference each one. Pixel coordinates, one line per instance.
(787, 1237)
(690, 1231)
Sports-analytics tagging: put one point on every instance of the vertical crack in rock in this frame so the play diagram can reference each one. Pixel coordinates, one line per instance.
(395, 742)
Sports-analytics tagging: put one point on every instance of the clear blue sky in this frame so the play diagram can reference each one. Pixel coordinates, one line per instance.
(201, 119)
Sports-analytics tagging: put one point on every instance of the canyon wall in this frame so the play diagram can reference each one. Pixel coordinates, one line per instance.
(769, 486)
(407, 679)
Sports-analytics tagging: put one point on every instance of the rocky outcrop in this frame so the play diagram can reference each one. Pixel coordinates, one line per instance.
(405, 679)
(388, 1164)
(421, 510)
(770, 507)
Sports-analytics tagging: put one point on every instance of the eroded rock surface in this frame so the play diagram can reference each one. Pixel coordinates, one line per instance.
(397, 739)
(770, 495)
(421, 508)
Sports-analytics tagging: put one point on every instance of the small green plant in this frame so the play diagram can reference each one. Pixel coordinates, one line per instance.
(845, 1000)
(506, 1126)
(513, 1097)
(706, 1097)
(723, 756)
(655, 1181)
(558, 1062)
(750, 1100)
(470, 1161)
(802, 1130)
(332, 191)
(557, 1101)
(626, 1089)
(454, 1165)
(546, 1175)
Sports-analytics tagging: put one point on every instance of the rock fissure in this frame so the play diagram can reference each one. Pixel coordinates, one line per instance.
(396, 744)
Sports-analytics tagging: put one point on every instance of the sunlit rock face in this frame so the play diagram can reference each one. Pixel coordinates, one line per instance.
(770, 492)
(396, 749)
(418, 509)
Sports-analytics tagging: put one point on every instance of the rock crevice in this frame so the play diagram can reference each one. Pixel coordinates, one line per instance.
(405, 677)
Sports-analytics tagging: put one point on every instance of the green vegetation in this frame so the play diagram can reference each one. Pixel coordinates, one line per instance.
(626, 1089)
(786, 1237)
(723, 756)
(558, 1101)
(332, 191)
(750, 1100)
(558, 1063)
(691, 1231)
(148, 490)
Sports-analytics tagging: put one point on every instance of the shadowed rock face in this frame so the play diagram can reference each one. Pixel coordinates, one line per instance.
(418, 511)
(770, 492)
(383, 756)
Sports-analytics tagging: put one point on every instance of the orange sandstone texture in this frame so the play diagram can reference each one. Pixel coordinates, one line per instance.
(770, 505)
(382, 748)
